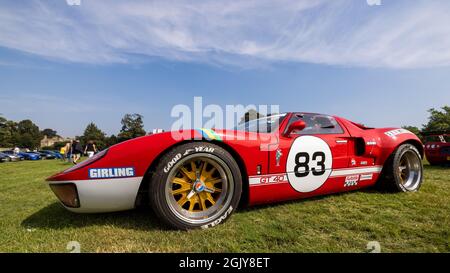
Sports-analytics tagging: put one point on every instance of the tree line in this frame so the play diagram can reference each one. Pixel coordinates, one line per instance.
(438, 121)
(26, 134)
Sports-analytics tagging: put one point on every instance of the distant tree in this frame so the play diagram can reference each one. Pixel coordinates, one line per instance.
(112, 140)
(414, 130)
(50, 133)
(8, 133)
(132, 127)
(27, 135)
(3, 131)
(438, 120)
(92, 132)
(2, 122)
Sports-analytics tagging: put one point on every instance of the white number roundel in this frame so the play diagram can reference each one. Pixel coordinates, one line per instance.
(309, 163)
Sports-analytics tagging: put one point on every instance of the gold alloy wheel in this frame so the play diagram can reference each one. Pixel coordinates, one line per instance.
(197, 185)
(199, 188)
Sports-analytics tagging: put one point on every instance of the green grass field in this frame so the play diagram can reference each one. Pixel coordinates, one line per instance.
(31, 220)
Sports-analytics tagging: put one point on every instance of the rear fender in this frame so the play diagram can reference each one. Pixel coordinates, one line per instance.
(392, 138)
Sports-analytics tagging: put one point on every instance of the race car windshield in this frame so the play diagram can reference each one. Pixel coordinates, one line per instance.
(262, 125)
(317, 124)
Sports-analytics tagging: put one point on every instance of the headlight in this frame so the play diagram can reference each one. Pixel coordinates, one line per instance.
(433, 146)
(67, 194)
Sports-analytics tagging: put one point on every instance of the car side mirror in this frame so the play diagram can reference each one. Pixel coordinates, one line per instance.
(298, 125)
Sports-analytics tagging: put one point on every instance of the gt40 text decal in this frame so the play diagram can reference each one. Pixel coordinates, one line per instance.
(268, 179)
(111, 173)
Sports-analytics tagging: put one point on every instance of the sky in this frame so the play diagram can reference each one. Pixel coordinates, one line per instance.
(64, 65)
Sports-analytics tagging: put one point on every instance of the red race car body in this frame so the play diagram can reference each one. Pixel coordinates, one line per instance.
(296, 159)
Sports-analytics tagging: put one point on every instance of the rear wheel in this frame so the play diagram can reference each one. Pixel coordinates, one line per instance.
(196, 185)
(404, 170)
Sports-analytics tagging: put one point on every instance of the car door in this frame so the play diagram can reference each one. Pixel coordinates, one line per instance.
(308, 157)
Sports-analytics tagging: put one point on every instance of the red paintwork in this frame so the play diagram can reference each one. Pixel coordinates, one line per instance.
(440, 154)
(141, 152)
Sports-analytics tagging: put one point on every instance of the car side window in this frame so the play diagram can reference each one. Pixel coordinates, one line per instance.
(317, 124)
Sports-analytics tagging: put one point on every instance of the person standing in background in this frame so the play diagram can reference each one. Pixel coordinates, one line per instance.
(77, 150)
(68, 154)
(90, 149)
(62, 151)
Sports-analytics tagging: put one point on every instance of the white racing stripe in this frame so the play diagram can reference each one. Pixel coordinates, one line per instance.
(354, 171)
(271, 179)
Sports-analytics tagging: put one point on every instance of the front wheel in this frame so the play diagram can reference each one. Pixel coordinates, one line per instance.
(404, 170)
(195, 185)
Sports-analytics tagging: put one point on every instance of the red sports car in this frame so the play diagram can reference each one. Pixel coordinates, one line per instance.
(437, 147)
(197, 178)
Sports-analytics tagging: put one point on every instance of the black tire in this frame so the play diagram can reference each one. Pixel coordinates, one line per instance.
(173, 166)
(396, 177)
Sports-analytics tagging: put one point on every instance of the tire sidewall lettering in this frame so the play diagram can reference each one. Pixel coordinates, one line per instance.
(178, 156)
(219, 220)
(172, 162)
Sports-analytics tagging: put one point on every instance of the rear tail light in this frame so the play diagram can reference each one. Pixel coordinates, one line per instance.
(67, 194)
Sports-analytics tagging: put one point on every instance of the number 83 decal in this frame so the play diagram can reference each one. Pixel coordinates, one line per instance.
(309, 163)
(302, 161)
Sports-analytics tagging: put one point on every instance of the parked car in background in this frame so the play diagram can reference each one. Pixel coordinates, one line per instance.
(24, 155)
(437, 147)
(57, 154)
(44, 155)
(12, 156)
(50, 154)
(4, 158)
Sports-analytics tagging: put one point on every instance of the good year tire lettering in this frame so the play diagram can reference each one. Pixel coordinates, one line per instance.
(172, 162)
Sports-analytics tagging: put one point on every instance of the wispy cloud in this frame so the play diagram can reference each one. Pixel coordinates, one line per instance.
(399, 34)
